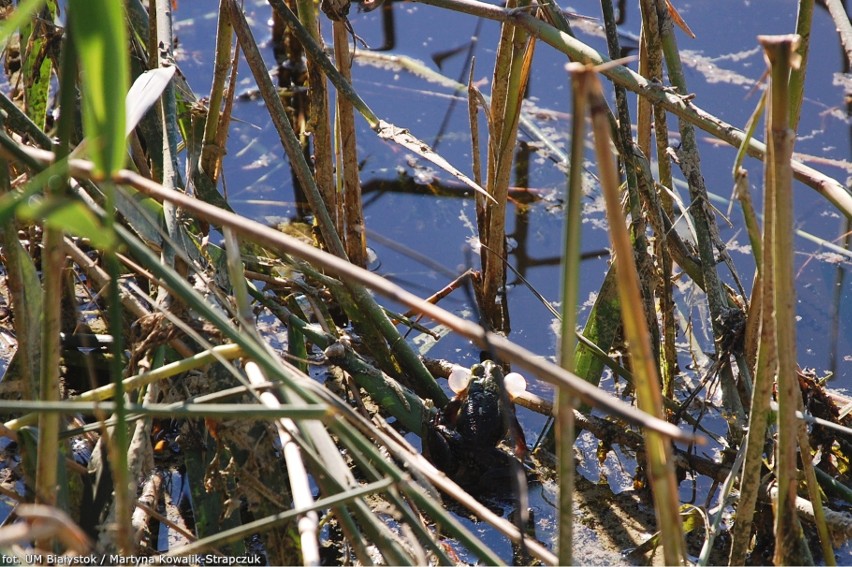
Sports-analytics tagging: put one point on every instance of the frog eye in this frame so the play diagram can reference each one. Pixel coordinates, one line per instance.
(459, 379)
(515, 384)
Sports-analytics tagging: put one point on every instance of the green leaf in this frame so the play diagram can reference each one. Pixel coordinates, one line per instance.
(98, 30)
(72, 217)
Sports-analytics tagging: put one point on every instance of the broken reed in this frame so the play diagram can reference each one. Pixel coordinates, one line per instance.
(660, 467)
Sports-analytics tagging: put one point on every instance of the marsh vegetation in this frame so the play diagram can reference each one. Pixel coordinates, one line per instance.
(195, 368)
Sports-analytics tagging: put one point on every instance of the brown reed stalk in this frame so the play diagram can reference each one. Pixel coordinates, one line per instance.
(320, 118)
(211, 153)
(651, 67)
(511, 75)
(354, 234)
(659, 452)
(779, 52)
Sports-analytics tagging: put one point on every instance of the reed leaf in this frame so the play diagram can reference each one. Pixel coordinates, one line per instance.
(101, 38)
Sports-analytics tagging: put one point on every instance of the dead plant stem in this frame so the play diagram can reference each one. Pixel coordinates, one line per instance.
(320, 118)
(788, 535)
(211, 154)
(659, 456)
(354, 235)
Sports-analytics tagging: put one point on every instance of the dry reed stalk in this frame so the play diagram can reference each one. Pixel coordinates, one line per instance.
(659, 452)
(320, 119)
(509, 85)
(354, 234)
(211, 152)
(779, 180)
(650, 67)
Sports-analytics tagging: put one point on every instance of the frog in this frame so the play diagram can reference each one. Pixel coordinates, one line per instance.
(462, 438)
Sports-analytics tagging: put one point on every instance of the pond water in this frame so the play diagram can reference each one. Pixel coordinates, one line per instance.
(723, 66)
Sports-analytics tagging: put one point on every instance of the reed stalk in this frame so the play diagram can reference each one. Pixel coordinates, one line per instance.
(780, 57)
(354, 229)
(707, 234)
(53, 261)
(623, 138)
(659, 455)
(319, 118)
(804, 20)
(838, 13)
(762, 308)
(474, 101)
(509, 85)
(564, 402)
(651, 67)
(211, 152)
(25, 295)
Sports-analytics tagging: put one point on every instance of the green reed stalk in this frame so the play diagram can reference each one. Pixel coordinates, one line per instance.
(804, 21)
(564, 403)
(658, 448)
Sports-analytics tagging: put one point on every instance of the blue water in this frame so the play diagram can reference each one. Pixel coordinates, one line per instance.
(723, 66)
